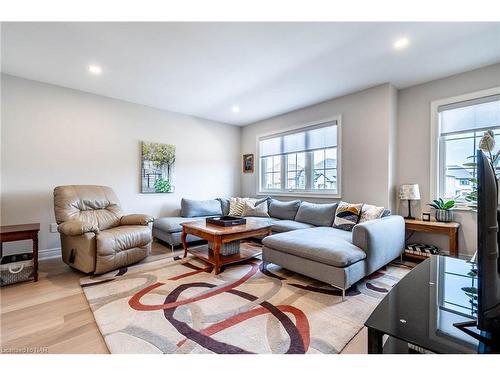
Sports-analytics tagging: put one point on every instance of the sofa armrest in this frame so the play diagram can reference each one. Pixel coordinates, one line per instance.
(136, 219)
(76, 228)
(382, 239)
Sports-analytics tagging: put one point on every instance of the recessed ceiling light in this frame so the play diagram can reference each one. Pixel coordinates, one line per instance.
(95, 69)
(401, 43)
(235, 109)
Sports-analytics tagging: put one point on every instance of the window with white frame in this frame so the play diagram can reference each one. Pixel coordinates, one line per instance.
(461, 126)
(302, 160)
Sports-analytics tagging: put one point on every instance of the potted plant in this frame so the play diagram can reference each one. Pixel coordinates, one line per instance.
(443, 208)
(486, 144)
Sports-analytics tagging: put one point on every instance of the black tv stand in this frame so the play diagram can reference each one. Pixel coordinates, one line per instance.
(431, 310)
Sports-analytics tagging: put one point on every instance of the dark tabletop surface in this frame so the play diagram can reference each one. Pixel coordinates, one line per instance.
(423, 306)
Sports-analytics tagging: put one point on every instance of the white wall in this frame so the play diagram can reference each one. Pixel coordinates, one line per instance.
(54, 136)
(414, 143)
(368, 127)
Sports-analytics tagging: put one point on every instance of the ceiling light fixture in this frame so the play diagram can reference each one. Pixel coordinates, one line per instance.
(95, 69)
(235, 109)
(401, 43)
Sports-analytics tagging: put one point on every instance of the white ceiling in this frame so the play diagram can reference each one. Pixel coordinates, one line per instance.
(266, 69)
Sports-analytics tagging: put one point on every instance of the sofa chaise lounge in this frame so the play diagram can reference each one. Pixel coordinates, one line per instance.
(304, 240)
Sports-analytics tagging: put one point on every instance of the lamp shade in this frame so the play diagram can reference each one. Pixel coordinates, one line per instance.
(409, 191)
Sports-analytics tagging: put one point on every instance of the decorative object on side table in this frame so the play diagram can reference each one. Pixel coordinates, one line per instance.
(444, 213)
(226, 221)
(248, 163)
(426, 216)
(24, 267)
(409, 192)
(420, 250)
(157, 173)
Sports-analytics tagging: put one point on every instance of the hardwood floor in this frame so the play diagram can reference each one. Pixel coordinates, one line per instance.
(53, 316)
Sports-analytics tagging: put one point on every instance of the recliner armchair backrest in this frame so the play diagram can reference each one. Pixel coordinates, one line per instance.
(90, 203)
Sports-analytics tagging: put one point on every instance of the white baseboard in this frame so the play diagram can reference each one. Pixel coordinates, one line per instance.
(49, 253)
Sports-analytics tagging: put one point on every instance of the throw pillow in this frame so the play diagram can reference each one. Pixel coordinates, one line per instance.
(283, 210)
(347, 215)
(256, 210)
(370, 212)
(237, 204)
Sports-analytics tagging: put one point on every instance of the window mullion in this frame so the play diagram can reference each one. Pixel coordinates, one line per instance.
(308, 170)
(283, 172)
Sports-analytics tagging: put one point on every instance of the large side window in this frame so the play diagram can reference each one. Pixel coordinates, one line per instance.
(461, 126)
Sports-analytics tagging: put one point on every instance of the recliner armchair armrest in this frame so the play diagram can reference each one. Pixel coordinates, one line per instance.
(76, 228)
(382, 238)
(136, 219)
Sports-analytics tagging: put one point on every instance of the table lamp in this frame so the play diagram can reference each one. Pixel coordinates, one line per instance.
(409, 192)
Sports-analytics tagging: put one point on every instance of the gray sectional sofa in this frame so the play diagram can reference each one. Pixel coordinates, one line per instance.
(304, 240)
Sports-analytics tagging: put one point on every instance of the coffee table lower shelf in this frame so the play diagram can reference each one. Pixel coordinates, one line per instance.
(248, 250)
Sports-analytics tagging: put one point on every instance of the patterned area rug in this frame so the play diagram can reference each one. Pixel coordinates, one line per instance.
(177, 306)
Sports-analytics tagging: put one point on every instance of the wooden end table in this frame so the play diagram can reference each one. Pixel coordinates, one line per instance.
(9, 233)
(449, 229)
(219, 235)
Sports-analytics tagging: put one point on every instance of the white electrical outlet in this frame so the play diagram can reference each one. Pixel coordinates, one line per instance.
(53, 228)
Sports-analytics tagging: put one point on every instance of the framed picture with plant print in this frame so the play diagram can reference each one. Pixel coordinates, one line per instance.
(157, 168)
(248, 163)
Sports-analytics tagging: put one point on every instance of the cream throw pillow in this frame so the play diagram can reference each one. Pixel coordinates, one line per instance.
(370, 212)
(237, 204)
(250, 209)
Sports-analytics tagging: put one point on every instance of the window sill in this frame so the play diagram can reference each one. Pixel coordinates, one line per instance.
(305, 194)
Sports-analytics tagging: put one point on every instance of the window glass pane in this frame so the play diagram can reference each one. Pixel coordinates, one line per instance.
(270, 146)
(301, 160)
(276, 163)
(296, 171)
(296, 180)
(488, 114)
(458, 148)
(319, 179)
(292, 182)
(267, 164)
(331, 158)
(294, 142)
(319, 159)
(331, 179)
(457, 184)
(267, 181)
(322, 137)
(276, 181)
(291, 162)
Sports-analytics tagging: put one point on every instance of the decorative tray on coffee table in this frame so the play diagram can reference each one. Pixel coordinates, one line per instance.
(226, 221)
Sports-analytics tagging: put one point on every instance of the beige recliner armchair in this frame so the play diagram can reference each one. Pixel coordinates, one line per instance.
(95, 235)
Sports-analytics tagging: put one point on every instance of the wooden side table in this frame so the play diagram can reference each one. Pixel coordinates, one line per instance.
(9, 233)
(449, 229)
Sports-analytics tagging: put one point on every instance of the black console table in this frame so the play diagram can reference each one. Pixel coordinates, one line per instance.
(418, 314)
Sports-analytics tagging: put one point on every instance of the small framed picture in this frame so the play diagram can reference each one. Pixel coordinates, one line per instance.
(248, 163)
(426, 216)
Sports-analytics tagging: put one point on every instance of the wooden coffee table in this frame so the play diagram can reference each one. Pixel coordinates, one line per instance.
(219, 235)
